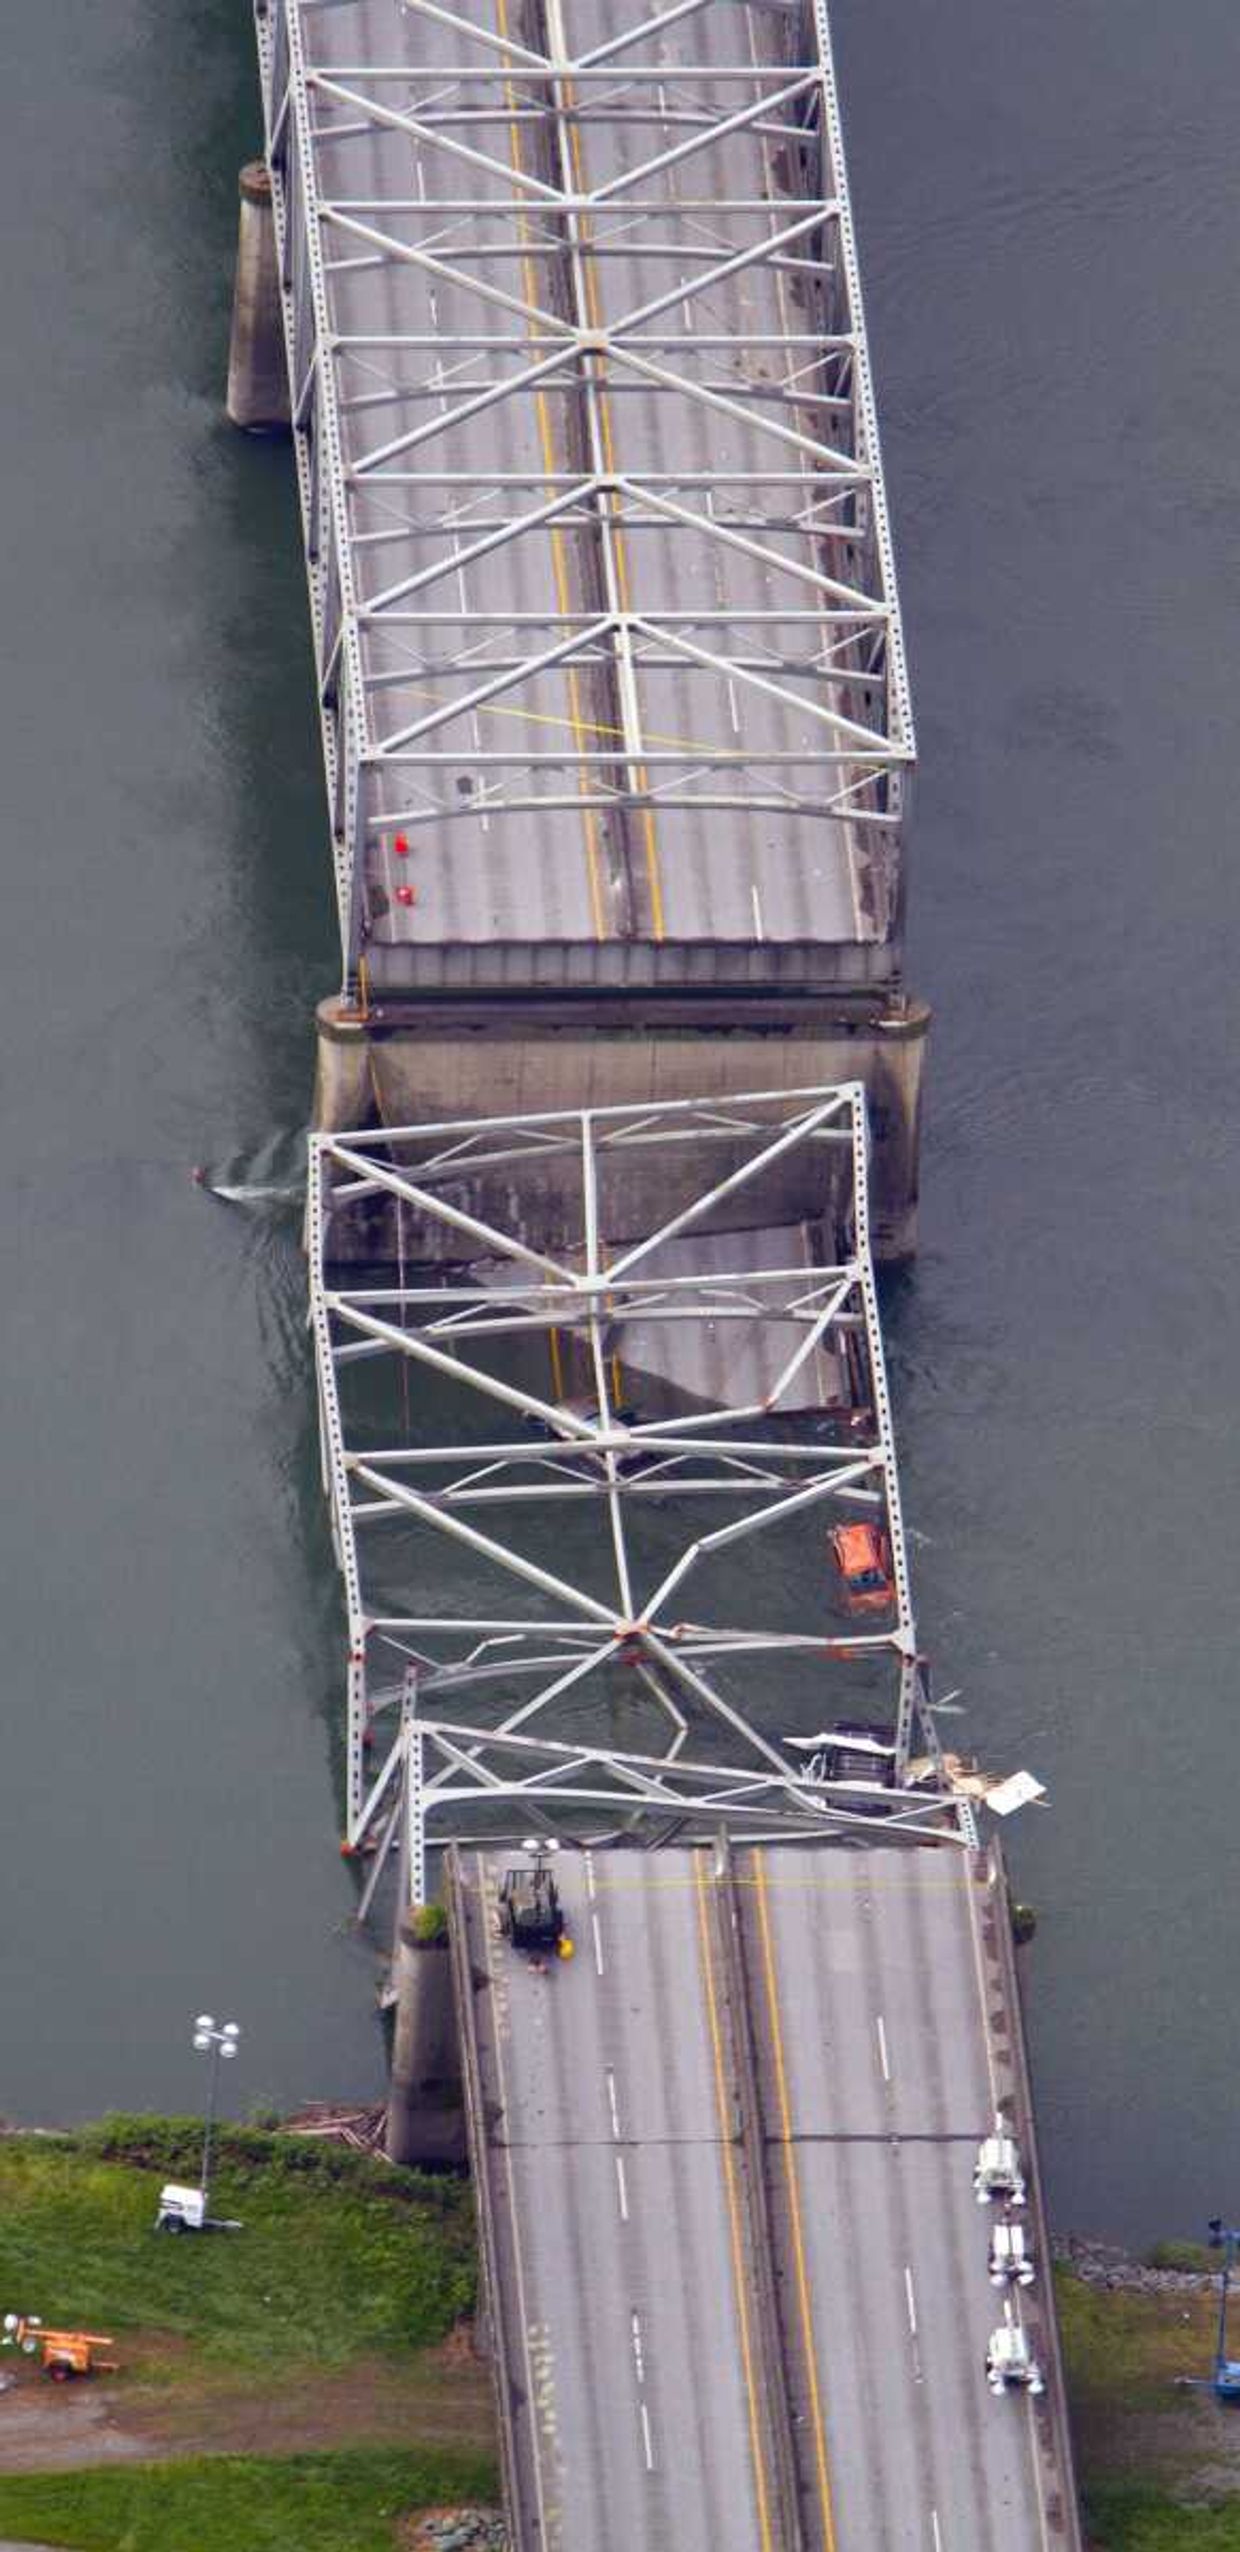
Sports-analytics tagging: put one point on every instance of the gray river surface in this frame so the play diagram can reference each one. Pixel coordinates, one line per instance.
(1049, 219)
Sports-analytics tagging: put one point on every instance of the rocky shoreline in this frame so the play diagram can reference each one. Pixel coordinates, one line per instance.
(1104, 2264)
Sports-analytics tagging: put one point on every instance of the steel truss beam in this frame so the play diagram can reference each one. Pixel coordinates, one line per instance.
(597, 262)
(476, 1315)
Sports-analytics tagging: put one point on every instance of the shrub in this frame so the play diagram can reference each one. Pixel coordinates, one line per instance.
(1194, 2257)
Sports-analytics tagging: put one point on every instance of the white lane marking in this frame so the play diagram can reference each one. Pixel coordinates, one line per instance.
(611, 2102)
(622, 2187)
(639, 2359)
(590, 1877)
(882, 2048)
(934, 2529)
(919, 2374)
(646, 2439)
(598, 1943)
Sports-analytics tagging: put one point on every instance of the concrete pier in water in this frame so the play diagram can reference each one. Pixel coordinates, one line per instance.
(258, 397)
(410, 1064)
(426, 2116)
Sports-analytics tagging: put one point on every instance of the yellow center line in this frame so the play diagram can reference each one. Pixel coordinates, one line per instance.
(873, 1886)
(547, 442)
(593, 313)
(794, 2209)
(729, 2169)
(543, 718)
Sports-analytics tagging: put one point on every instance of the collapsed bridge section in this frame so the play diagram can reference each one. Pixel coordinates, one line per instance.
(626, 1376)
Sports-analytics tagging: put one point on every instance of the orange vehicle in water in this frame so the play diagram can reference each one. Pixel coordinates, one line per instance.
(862, 1554)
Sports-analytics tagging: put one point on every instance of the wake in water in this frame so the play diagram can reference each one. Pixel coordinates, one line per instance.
(247, 1193)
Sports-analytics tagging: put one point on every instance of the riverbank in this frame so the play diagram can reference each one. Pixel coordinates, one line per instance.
(1158, 2458)
(307, 2385)
(319, 2372)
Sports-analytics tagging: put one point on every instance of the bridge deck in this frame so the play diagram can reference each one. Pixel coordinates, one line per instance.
(624, 2286)
(737, 2271)
(874, 1989)
(604, 601)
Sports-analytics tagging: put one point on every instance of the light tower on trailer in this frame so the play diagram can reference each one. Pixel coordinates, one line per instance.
(1226, 2377)
(183, 2209)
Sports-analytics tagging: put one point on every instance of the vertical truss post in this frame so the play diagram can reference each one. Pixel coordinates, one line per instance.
(415, 1794)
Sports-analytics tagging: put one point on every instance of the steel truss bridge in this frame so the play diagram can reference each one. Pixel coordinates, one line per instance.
(614, 704)
(446, 1414)
(605, 612)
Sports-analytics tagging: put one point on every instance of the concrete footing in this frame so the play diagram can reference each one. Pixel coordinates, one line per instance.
(258, 396)
(426, 2115)
(423, 1064)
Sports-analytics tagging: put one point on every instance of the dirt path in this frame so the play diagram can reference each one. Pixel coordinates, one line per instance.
(440, 2397)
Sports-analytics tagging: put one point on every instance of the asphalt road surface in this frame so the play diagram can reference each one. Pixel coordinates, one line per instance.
(870, 2001)
(739, 2269)
(621, 2221)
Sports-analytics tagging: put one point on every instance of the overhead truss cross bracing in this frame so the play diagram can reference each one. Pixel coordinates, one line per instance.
(622, 1446)
(604, 602)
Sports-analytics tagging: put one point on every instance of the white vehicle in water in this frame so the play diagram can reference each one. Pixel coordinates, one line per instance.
(997, 2172)
(1010, 2363)
(1011, 2260)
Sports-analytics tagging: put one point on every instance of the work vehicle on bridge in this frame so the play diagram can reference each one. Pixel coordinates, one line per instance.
(1010, 2363)
(530, 1913)
(1011, 2260)
(998, 2173)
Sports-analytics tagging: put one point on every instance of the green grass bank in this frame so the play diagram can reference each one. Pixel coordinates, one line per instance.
(1158, 2462)
(343, 2502)
(340, 2255)
(301, 2386)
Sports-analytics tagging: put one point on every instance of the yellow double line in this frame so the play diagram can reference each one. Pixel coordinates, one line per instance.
(581, 727)
(734, 2219)
(622, 573)
(794, 2212)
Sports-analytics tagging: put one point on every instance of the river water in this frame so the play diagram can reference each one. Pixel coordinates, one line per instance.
(1050, 233)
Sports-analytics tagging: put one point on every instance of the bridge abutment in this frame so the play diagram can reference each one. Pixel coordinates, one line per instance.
(426, 2115)
(258, 393)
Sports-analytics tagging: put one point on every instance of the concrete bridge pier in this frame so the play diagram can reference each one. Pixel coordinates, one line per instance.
(258, 397)
(424, 1063)
(426, 2115)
